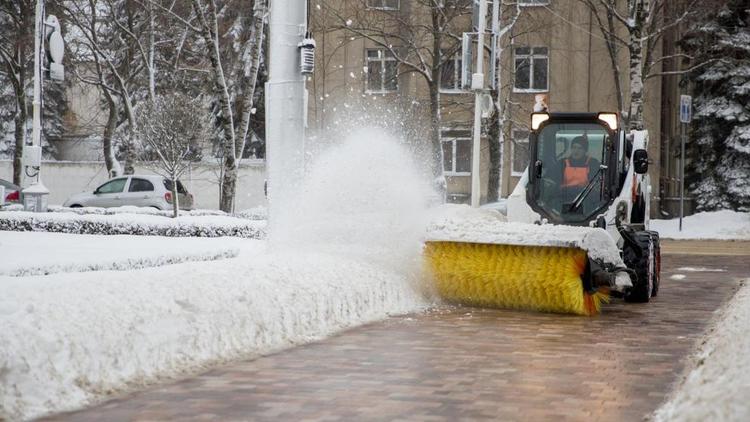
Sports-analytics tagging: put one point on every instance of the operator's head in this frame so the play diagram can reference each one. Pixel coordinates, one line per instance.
(579, 146)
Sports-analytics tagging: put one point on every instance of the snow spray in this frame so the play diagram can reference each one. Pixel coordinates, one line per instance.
(363, 198)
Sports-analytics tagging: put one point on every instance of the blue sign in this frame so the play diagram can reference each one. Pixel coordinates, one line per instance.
(686, 108)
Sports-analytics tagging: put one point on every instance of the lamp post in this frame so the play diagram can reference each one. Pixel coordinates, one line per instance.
(35, 195)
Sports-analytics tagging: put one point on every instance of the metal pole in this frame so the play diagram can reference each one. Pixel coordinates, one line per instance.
(285, 103)
(682, 171)
(477, 84)
(36, 126)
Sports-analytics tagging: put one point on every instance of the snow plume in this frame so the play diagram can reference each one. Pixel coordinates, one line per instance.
(362, 198)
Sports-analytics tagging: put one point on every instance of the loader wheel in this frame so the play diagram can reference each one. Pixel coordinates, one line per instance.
(641, 258)
(657, 268)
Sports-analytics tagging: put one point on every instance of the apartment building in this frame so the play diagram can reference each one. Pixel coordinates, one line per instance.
(552, 48)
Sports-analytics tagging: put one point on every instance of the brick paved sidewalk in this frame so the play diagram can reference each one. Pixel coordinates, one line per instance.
(463, 364)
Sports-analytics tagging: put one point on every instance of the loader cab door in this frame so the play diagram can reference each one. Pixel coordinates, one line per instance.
(573, 164)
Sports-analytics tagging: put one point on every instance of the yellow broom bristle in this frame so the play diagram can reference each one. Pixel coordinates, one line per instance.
(508, 276)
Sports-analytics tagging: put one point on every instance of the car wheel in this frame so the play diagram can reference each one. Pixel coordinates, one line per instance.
(76, 206)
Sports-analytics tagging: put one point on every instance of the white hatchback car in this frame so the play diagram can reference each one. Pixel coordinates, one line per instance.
(133, 190)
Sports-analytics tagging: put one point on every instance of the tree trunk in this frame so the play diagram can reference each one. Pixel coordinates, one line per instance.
(496, 154)
(175, 198)
(635, 116)
(228, 185)
(113, 169)
(20, 136)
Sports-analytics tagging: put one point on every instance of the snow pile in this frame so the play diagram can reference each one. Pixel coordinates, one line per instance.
(718, 383)
(460, 223)
(38, 253)
(70, 339)
(348, 252)
(137, 224)
(725, 224)
(256, 213)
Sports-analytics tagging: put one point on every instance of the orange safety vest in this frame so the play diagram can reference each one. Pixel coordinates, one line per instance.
(575, 176)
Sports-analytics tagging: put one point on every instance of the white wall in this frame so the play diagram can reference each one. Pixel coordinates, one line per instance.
(64, 178)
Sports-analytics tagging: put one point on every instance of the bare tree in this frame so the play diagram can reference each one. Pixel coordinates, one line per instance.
(644, 22)
(16, 46)
(170, 133)
(113, 45)
(233, 52)
(421, 40)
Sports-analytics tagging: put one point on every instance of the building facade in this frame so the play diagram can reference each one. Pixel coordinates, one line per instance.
(377, 59)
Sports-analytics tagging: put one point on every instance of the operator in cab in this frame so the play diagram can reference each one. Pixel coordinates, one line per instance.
(579, 167)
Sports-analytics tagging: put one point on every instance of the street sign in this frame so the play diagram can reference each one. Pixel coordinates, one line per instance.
(686, 108)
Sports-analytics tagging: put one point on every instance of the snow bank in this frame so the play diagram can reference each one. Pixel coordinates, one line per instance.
(70, 339)
(717, 385)
(725, 224)
(39, 253)
(461, 223)
(347, 251)
(137, 224)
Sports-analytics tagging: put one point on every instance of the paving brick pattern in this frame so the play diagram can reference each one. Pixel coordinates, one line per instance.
(453, 364)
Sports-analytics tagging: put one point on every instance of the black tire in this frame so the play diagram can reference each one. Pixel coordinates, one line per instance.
(657, 267)
(641, 258)
(76, 206)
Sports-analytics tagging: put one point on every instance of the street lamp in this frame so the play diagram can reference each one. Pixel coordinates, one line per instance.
(35, 196)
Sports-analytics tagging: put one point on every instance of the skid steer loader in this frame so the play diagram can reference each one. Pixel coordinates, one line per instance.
(577, 227)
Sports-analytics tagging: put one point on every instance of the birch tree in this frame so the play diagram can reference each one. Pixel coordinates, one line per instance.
(170, 131)
(643, 24)
(232, 50)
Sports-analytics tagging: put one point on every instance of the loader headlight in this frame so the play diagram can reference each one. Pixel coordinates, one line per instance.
(537, 119)
(610, 119)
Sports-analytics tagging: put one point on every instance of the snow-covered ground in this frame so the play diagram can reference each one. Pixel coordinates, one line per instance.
(725, 224)
(39, 253)
(717, 384)
(69, 339)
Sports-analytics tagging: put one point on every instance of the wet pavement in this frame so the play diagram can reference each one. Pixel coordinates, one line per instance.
(454, 364)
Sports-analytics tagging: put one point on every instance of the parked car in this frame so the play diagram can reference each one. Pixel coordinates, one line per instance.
(13, 193)
(134, 190)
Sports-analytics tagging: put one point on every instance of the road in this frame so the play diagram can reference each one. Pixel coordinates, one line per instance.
(470, 364)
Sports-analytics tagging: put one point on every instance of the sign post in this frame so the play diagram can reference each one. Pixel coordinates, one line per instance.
(686, 114)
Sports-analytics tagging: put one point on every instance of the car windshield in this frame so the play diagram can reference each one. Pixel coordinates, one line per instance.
(571, 177)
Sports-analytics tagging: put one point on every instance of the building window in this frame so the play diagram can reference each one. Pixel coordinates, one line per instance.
(457, 154)
(531, 65)
(533, 2)
(383, 4)
(519, 152)
(450, 73)
(382, 71)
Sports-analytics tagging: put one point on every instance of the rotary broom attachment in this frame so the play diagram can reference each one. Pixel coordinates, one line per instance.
(539, 278)
(477, 258)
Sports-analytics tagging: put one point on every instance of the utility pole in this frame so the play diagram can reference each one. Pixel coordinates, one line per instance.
(477, 85)
(35, 194)
(285, 102)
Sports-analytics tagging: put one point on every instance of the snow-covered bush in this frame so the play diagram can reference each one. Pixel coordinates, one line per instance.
(719, 173)
(145, 225)
(131, 210)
